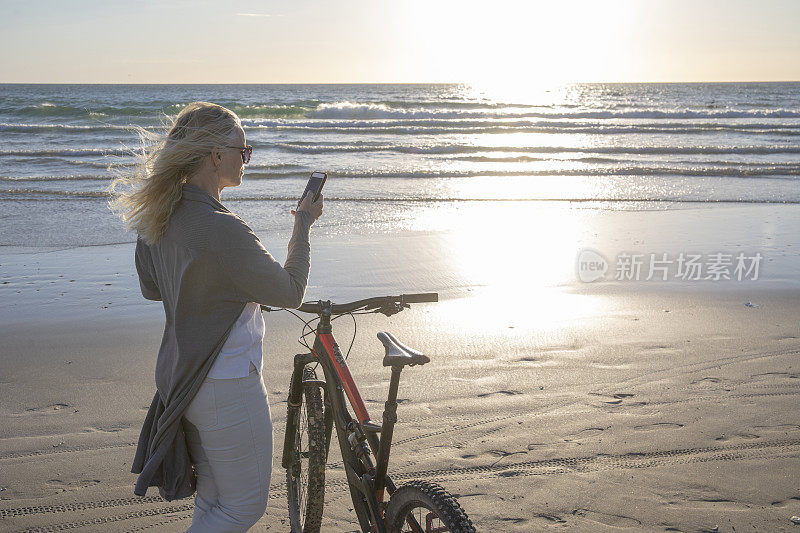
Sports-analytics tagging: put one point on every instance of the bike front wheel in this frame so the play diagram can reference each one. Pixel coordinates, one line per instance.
(305, 477)
(427, 507)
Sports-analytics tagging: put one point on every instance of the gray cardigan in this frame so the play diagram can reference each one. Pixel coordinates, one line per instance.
(206, 267)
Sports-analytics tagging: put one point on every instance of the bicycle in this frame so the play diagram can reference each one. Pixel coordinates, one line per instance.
(417, 506)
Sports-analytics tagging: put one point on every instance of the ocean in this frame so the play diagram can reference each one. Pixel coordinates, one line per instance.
(403, 156)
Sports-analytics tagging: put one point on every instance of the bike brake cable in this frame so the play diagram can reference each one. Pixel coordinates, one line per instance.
(303, 334)
(306, 324)
(355, 328)
(355, 325)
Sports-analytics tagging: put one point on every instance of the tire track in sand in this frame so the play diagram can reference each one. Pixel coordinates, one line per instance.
(555, 466)
(638, 380)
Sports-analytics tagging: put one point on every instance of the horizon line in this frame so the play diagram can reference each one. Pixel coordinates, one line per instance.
(391, 83)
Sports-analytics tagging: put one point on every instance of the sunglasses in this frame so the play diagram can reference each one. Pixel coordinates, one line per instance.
(247, 151)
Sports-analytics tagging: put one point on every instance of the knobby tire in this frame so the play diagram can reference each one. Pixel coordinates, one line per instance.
(419, 499)
(305, 480)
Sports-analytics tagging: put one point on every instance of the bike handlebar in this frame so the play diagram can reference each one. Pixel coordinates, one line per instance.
(419, 297)
(368, 303)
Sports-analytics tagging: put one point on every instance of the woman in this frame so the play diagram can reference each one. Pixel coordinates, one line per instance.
(208, 427)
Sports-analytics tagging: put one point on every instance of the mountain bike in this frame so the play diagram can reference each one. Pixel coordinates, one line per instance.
(316, 406)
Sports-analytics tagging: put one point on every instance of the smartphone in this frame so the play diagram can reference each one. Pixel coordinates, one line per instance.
(314, 186)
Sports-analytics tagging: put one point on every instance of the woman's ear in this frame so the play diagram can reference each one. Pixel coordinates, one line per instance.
(216, 158)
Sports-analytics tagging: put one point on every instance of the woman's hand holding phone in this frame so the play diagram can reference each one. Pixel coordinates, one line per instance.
(308, 204)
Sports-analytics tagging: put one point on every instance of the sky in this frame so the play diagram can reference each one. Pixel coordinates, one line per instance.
(398, 41)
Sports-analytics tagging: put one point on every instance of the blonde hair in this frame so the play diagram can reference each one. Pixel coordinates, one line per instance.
(164, 164)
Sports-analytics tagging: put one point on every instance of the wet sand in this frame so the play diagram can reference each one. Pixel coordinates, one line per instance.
(594, 407)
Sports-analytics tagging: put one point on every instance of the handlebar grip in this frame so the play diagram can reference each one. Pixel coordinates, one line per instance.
(310, 307)
(420, 298)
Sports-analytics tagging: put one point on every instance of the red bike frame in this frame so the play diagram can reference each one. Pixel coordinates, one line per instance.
(350, 389)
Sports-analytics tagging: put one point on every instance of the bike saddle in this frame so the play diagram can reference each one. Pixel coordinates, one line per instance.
(398, 354)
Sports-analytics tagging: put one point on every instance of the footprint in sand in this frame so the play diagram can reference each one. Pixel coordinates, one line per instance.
(613, 520)
(658, 425)
(608, 366)
(794, 500)
(720, 504)
(657, 347)
(774, 375)
(614, 399)
(549, 518)
(504, 392)
(514, 519)
(477, 381)
(64, 486)
(706, 381)
(51, 409)
(585, 433)
(779, 427)
(530, 360)
(747, 436)
(106, 429)
(501, 454)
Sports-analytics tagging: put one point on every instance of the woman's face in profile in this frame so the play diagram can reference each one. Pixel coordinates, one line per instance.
(231, 169)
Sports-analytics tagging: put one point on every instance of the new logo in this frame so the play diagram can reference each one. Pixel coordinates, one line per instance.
(591, 266)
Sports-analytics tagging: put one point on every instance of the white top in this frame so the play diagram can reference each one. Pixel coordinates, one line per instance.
(242, 346)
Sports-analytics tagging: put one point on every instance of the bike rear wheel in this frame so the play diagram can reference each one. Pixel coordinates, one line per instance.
(305, 477)
(428, 506)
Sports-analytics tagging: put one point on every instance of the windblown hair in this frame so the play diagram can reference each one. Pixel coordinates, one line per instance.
(165, 162)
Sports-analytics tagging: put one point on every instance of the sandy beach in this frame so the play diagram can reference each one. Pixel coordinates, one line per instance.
(548, 403)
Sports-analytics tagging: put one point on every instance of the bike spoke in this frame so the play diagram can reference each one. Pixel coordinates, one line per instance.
(302, 456)
(423, 520)
(305, 512)
(301, 440)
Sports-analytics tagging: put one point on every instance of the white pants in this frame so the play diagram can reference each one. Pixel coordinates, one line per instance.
(229, 434)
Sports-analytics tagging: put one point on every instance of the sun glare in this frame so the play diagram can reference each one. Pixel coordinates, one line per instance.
(516, 258)
(498, 245)
(520, 45)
